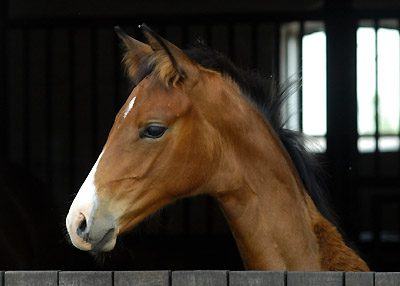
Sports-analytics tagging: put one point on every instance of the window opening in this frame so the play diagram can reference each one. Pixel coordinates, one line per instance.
(303, 50)
(378, 71)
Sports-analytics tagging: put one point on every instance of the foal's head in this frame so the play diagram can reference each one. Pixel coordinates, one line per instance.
(160, 148)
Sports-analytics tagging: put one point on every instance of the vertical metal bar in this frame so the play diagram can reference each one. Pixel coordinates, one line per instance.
(300, 91)
(94, 97)
(207, 35)
(117, 76)
(377, 225)
(398, 153)
(341, 29)
(26, 97)
(254, 45)
(231, 40)
(72, 108)
(277, 50)
(48, 105)
(185, 35)
(4, 148)
(376, 135)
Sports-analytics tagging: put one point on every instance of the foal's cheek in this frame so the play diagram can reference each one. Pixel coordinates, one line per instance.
(192, 175)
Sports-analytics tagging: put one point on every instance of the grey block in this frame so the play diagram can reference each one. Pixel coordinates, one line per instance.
(85, 278)
(200, 278)
(387, 279)
(359, 279)
(256, 278)
(1, 278)
(315, 278)
(141, 278)
(31, 278)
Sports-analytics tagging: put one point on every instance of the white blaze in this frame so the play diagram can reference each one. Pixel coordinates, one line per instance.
(84, 201)
(131, 103)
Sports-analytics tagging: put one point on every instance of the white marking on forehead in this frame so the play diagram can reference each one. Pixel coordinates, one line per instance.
(130, 106)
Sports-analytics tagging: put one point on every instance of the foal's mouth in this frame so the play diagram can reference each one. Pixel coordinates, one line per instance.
(101, 245)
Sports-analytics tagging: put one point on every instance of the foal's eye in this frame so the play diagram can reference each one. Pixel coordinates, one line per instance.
(153, 131)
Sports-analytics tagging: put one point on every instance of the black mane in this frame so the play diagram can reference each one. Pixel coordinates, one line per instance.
(269, 97)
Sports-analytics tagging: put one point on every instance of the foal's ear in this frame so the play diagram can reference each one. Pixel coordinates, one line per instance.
(171, 63)
(135, 54)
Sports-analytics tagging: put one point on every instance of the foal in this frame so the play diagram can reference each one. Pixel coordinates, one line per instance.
(189, 127)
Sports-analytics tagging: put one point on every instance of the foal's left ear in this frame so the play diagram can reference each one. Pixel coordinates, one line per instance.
(135, 55)
(171, 63)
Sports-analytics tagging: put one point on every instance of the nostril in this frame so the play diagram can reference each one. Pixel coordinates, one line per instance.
(82, 229)
(82, 225)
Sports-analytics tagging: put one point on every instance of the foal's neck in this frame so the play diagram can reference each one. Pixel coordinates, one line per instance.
(273, 220)
(264, 203)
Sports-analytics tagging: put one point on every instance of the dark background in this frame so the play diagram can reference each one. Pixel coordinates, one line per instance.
(61, 84)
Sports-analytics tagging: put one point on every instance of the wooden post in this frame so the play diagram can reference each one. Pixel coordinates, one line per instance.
(315, 278)
(387, 278)
(31, 278)
(359, 279)
(257, 278)
(142, 278)
(87, 278)
(200, 278)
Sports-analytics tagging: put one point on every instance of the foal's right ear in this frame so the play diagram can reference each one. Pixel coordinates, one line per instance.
(135, 53)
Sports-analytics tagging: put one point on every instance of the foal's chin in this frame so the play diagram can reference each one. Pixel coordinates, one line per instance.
(95, 249)
(104, 244)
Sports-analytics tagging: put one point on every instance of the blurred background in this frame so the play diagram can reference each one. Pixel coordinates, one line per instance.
(61, 85)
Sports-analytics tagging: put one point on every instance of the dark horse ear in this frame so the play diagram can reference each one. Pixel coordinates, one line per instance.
(169, 61)
(136, 54)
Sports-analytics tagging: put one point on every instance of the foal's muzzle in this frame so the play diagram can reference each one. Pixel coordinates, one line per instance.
(96, 232)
